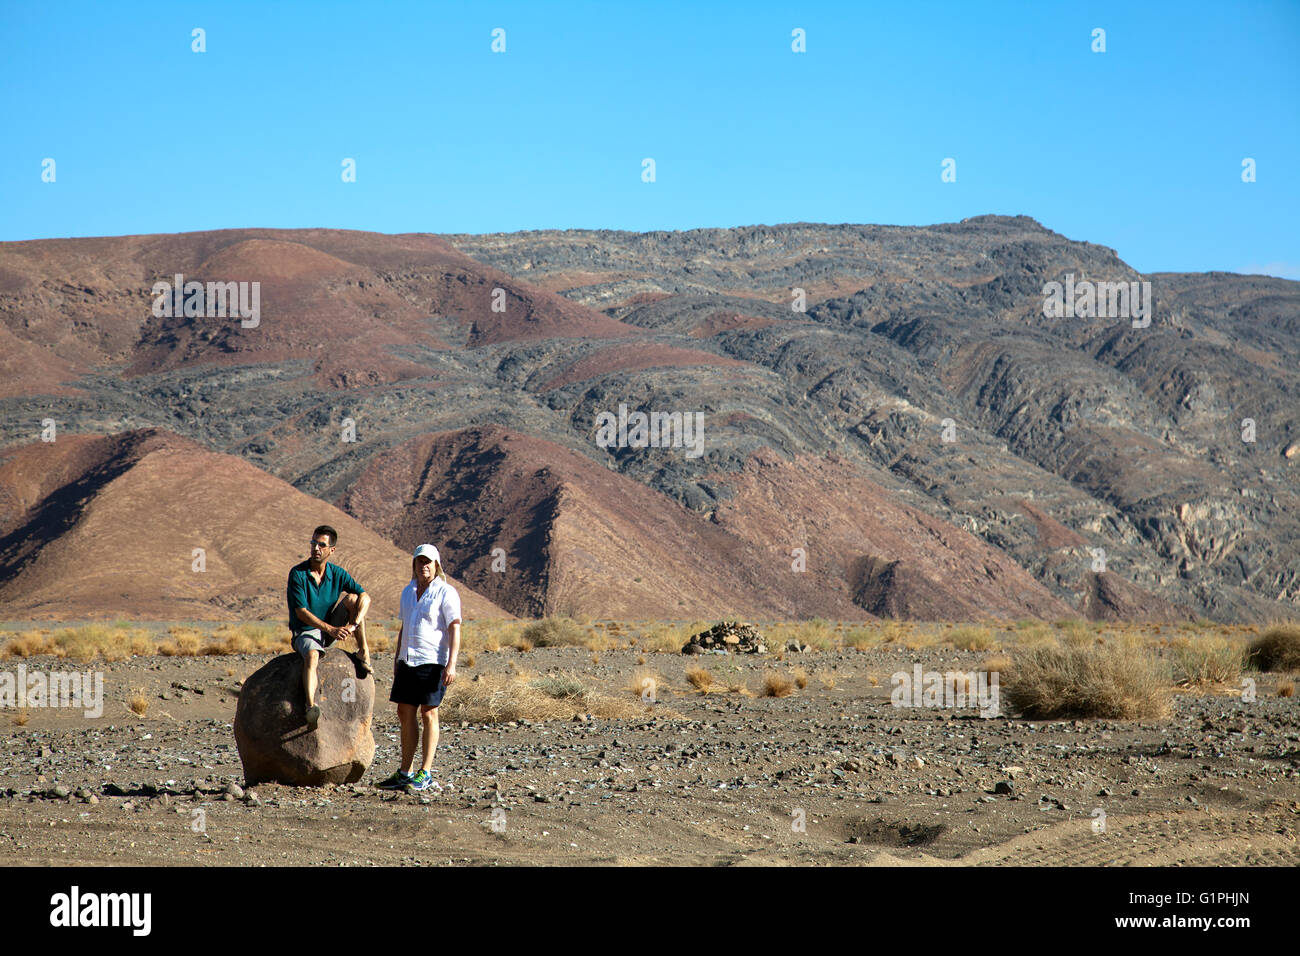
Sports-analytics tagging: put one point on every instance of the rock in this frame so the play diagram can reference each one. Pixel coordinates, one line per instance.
(1004, 787)
(235, 790)
(60, 791)
(727, 637)
(271, 732)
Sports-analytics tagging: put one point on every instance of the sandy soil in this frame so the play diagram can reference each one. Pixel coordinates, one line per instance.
(829, 775)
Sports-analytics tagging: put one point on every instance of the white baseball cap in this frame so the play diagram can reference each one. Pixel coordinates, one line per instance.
(426, 551)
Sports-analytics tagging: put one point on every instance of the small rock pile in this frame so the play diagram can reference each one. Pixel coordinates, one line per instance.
(728, 637)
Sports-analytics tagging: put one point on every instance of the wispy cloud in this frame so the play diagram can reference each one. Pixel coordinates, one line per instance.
(1282, 270)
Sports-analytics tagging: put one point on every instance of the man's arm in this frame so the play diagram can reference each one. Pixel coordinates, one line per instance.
(311, 620)
(401, 629)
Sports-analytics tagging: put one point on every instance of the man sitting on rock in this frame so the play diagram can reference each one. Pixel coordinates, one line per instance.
(319, 595)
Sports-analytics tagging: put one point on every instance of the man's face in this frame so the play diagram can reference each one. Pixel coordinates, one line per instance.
(321, 549)
(423, 570)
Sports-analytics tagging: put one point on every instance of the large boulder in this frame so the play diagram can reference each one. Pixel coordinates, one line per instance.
(275, 743)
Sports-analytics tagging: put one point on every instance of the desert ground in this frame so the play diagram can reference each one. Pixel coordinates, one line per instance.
(599, 744)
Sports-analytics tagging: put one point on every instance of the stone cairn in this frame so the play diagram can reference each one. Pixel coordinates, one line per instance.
(729, 637)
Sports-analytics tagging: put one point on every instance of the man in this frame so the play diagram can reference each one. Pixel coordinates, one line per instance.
(427, 647)
(321, 594)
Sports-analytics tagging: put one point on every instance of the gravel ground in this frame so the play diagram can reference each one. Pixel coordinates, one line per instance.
(833, 774)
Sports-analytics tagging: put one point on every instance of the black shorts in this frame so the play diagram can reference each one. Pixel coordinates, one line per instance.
(421, 684)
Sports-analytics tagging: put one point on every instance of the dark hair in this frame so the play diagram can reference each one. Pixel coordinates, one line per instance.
(326, 529)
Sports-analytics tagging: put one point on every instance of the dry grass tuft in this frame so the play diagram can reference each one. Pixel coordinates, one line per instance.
(1034, 634)
(816, 633)
(1118, 679)
(1207, 660)
(646, 684)
(498, 698)
(998, 664)
(700, 678)
(1286, 689)
(25, 645)
(138, 703)
(668, 638)
(181, 642)
(1277, 649)
(864, 638)
(919, 638)
(1074, 629)
(800, 677)
(777, 685)
(488, 635)
(21, 718)
(559, 632)
(972, 638)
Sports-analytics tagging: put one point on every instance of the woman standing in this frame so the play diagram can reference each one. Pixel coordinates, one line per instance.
(427, 647)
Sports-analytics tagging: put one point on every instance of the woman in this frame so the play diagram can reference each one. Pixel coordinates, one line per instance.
(427, 647)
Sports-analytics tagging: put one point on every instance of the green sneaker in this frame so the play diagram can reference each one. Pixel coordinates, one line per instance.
(396, 782)
(422, 780)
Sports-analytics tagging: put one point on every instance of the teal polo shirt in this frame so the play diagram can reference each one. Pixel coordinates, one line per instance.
(303, 591)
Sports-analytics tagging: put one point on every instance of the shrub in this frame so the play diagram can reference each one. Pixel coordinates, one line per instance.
(499, 698)
(560, 687)
(864, 638)
(556, 632)
(699, 678)
(1118, 679)
(1207, 660)
(777, 685)
(667, 638)
(1277, 649)
(972, 638)
(26, 645)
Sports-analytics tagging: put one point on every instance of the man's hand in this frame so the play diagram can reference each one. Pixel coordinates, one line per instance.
(338, 633)
(449, 675)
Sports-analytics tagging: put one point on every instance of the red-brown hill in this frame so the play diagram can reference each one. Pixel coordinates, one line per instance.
(347, 301)
(574, 536)
(109, 526)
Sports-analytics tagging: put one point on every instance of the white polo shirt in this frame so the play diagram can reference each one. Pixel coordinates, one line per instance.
(426, 623)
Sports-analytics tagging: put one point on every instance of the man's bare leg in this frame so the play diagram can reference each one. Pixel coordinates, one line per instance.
(410, 734)
(341, 615)
(429, 717)
(309, 686)
(363, 646)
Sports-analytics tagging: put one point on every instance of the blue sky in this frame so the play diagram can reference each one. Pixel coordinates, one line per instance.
(1138, 148)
